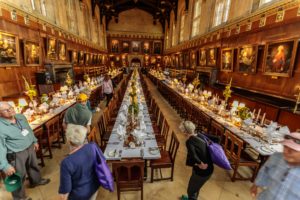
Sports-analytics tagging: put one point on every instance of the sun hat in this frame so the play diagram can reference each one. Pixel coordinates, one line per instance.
(82, 97)
(13, 182)
(292, 141)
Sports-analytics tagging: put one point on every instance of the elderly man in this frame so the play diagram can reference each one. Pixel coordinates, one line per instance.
(17, 149)
(279, 178)
(79, 114)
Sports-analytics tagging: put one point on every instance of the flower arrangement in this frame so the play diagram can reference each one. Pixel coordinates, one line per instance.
(30, 89)
(243, 113)
(196, 81)
(227, 91)
(86, 77)
(69, 80)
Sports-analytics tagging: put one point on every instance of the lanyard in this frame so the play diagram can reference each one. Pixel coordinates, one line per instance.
(19, 125)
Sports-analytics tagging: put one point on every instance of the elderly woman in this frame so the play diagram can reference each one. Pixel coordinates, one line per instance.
(78, 179)
(199, 158)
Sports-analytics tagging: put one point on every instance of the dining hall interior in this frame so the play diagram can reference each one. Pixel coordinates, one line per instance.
(149, 99)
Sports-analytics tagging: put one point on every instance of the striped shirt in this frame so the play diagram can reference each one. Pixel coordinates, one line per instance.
(279, 180)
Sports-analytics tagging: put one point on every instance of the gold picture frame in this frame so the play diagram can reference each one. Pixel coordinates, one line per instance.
(227, 56)
(81, 58)
(62, 50)
(279, 58)
(211, 57)
(74, 57)
(51, 48)
(32, 53)
(247, 59)
(9, 50)
(202, 57)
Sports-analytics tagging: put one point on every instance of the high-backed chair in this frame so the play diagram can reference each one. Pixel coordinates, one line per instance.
(104, 133)
(129, 175)
(218, 130)
(39, 135)
(163, 137)
(52, 133)
(92, 136)
(167, 159)
(234, 151)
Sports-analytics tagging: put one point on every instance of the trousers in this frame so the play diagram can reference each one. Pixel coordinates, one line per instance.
(195, 184)
(26, 163)
(108, 98)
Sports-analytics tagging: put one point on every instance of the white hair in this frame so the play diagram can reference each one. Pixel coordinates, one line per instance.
(76, 134)
(187, 127)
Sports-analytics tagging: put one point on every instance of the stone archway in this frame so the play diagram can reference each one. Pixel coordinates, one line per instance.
(135, 58)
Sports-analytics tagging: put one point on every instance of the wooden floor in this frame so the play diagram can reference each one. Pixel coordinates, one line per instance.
(219, 187)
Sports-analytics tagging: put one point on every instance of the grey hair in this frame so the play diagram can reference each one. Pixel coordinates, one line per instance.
(76, 134)
(187, 127)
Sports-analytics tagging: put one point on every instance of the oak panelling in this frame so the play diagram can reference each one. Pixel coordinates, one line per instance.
(290, 119)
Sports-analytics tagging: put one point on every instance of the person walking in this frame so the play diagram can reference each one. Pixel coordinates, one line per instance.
(17, 150)
(199, 158)
(107, 88)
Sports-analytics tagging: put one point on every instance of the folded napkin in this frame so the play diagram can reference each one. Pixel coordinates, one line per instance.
(44, 107)
(248, 121)
(284, 130)
(122, 117)
(143, 125)
(120, 130)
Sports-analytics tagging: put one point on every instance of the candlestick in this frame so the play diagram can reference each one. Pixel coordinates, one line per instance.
(253, 114)
(263, 119)
(257, 117)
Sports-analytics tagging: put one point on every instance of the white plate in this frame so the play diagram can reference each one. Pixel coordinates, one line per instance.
(111, 153)
(154, 150)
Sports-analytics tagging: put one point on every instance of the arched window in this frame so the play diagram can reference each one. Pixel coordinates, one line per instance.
(221, 11)
(181, 30)
(263, 2)
(43, 8)
(196, 17)
(167, 38)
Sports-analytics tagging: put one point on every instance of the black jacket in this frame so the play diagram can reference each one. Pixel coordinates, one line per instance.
(197, 153)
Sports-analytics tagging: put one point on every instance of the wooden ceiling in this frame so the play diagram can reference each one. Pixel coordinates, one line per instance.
(159, 9)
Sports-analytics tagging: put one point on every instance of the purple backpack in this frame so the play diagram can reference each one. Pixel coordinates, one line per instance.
(102, 170)
(217, 154)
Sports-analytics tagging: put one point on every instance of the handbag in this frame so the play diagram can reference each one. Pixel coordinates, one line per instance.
(217, 154)
(102, 170)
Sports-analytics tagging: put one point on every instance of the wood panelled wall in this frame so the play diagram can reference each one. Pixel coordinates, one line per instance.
(11, 82)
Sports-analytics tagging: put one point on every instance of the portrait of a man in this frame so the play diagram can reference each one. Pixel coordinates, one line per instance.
(247, 58)
(279, 58)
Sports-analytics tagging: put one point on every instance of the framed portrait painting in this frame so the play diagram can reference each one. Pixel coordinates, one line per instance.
(193, 59)
(247, 59)
(279, 58)
(181, 60)
(81, 57)
(211, 59)
(125, 47)
(202, 57)
(136, 46)
(157, 48)
(87, 59)
(32, 53)
(115, 46)
(227, 60)
(74, 57)
(9, 50)
(51, 48)
(62, 53)
(146, 47)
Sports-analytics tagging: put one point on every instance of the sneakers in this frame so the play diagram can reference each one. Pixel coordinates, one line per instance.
(184, 197)
(43, 181)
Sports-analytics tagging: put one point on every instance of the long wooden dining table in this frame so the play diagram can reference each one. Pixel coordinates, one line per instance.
(116, 148)
(264, 148)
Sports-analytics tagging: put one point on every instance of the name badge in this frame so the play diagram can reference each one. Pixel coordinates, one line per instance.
(24, 132)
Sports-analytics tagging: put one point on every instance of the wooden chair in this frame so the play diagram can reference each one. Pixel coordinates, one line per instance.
(163, 137)
(217, 130)
(167, 159)
(234, 151)
(62, 131)
(39, 132)
(104, 133)
(52, 133)
(129, 175)
(92, 136)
